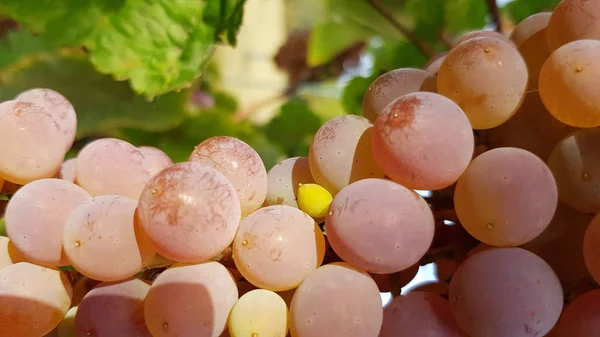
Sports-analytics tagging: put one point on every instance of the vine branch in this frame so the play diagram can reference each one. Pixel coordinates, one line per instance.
(495, 13)
(401, 28)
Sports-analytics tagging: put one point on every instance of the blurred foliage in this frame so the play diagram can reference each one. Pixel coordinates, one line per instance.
(141, 70)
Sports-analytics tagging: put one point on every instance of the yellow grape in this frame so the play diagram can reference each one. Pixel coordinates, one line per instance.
(314, 200)
(530, 38)
(259, 312)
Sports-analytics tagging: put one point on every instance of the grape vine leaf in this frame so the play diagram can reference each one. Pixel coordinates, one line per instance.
(519, 10)
(226, 16)
(4, 197)
(354, 92)
(462, 15)
(428, 16)
(330, 38)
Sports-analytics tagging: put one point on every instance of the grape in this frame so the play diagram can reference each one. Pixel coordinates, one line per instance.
(576, 168)
(423, 141)
(581, 317)
(33, 299)
(113, 309)
(259, 313)
(483, 33)
(433, 66)
(284, 179)
(591, 254)
(239, 163)
(190, 300)
(66, 328)
(487, 78)
(438, 288)
(419, 314)
(58, 107)
(505, 292)
(112, 166)
(276, 247)
(336, 300)
(530, 38)
(314, 200)
(506, 197)
(190, 212)
(392, 85)
(67, 170)
(101, 241)
(573, 20)
(81, 288)
(8, 253)
(531, 128)
(561, 244)
(156, 159)
(379, 226)
(38, 142)
(568, 82)
(341, 154)
(36, 216)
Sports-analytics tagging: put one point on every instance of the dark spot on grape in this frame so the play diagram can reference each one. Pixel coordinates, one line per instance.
(402, 111)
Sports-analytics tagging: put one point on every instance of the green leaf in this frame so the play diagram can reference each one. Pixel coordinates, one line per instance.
(101, 103)
(4, 197)
(354, 92)
(67, 268)
(428, 16)
(329, 38)
(2, 227)
(461, 15)
(521, 9)
(226, 16)
(391, 55)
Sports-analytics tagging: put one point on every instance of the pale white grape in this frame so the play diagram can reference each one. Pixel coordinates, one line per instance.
(530, 38)
(9, 253)
(67, 170)
(259, 312)
(284, 179)
(155, 158)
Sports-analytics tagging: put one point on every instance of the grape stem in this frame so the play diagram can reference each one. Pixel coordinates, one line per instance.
(495, 13)
(401, 28)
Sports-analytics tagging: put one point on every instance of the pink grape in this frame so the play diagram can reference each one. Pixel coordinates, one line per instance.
(581, 318)
(67, 170)
(190, 300)
(113, 309)
(102, 242)
(36, 216)
(379, 226)
(284, 179)
(423, 141)
(56, 105)
(156, 159)
(341, 153)
(189, 211)
(505, 292)
(506, 197)
(433, 66)
(240, 164)
(112, 166)
(591, 253)
(336, 300)
(39, 145)
(483, 33)
(419, 314)
(33, 299)
(276, 247)
(9, 254)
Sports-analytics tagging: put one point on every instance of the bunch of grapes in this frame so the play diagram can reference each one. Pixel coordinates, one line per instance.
(502, 132)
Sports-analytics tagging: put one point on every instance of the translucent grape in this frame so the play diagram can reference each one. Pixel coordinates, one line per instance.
(33, 299)
(433, 66)
(56, 105)
(581, 317)
(39, 145)
(67, 170)
(156, 159)
(561, 244)
(591, 242)
(36, 216)
(506, 197)
(276, 247)
(113, 309)
(505, 292)
(190, 212)
(101, 241)
(423, 141)
(393, 84)
(573, 20)
(531, 128)
(487, 78)
(568, 83)
(190, 300)
(112, 166)
(259, 313)
(576, 168)
(530, 38)
(284, 179)
(419, 314)
(379, 226)
(341, 153)
(483, 33)
(336, 300)
(8, 253)
(239, 163)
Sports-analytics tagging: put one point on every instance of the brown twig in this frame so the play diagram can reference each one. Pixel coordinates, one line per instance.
(405, 31)
(495, 13)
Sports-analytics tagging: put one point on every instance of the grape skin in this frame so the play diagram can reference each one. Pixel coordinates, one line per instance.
(483, 33)
(506, 197)
(591, 242)
(573, 20)
(393, 84)
(568, 83)
(423, 141)
(379, 226)
(283, 180)
(36, 216)
(433, 65)
(581, 318)
(259, 312)
(67, 170)
(530, 38)
(487, 78)
(190, 300)
(505, 292)
(189, 211)
(9, 253)
(156, 159)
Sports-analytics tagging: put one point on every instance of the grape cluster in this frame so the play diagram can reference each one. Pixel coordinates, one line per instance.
(501, 131)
